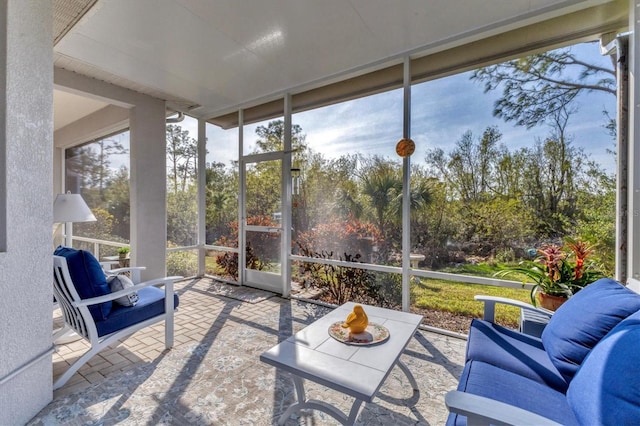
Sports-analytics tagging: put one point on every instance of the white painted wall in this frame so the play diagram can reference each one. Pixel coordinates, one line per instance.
(26, 265)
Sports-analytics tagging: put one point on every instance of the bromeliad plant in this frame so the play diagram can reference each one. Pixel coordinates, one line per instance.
(558, 271)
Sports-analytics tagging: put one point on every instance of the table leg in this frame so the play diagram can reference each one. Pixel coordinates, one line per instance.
(407, 372)
(302, 403)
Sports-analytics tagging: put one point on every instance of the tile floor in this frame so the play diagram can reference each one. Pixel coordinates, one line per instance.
(218, 339)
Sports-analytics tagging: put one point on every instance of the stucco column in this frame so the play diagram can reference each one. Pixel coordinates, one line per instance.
(148, 186)
(26, 263)
(633, 225)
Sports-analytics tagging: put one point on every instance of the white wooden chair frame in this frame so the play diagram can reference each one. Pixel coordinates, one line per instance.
(481, 411)
(77, 317)
(491, 301)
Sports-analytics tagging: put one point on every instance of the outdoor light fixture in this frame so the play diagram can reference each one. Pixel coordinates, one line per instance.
(295, 181)
(69, 208)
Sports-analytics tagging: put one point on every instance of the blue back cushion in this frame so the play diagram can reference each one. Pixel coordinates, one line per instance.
(606, 388)
(581, 322)
(88, 278)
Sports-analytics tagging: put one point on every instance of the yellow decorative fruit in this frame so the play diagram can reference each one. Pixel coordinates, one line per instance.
(405, 147)
(356, 321)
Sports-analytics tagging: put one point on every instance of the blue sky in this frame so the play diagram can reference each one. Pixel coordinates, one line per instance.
(442, 111)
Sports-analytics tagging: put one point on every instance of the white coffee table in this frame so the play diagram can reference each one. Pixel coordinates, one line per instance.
(358, 371)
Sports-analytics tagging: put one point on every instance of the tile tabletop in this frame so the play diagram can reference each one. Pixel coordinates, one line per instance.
(355, 370)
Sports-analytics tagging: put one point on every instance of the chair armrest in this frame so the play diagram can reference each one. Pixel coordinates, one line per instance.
(490, 303)
(127, 269)
(485, 411)
(166, 281)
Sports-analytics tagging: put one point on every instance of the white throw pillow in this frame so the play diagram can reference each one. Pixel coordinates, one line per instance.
(120, 282)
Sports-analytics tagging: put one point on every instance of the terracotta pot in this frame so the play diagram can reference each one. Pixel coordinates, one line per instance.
(550, 302)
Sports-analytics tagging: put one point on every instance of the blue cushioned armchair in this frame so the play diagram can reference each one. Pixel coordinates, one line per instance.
(80, 287)
(583, 370)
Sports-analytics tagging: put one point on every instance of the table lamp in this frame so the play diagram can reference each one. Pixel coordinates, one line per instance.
(69, 208)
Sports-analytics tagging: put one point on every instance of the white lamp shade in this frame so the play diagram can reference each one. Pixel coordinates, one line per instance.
(71, 208)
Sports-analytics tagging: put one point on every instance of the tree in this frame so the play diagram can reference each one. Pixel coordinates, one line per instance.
(182, 217)
(89, 172)
(101, 229)
(182, 151)
(559, 180)
(107, 147)
(322, 180)
(382, 185)
(492, 226)
(470, 168)
(342, 175)
(271, 138)
(596, 223)
(509, 173)
(264, 178)
(117, 202)
(501, 198)
(83, 171)
(555, 170)
(222, 199)
(380, 189)
(536, 87)
(432, 223)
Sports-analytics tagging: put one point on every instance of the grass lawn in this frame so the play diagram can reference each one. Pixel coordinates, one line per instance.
(457, 298)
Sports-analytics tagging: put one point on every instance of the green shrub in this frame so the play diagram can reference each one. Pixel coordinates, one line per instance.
(183, 263)
(339, 240)
(229, 262)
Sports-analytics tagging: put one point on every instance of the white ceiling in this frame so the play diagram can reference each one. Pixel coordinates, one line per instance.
(211, 56)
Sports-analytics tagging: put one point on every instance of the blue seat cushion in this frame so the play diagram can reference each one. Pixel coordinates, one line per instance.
(88, 278)
(513, 351)
(606, 388)
(583, 320)
(150, 304)
(489, 381)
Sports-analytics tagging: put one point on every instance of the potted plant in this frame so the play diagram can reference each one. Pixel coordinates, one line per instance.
(557, 272)
(123, 252)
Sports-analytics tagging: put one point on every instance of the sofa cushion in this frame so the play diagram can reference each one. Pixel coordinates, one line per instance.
(579, 324)
(150, 304)
(493, 382)
(513, 351)
(88, 278)
(606, 388)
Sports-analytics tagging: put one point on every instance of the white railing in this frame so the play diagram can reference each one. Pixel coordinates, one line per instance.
(469, 279)
(97, 243)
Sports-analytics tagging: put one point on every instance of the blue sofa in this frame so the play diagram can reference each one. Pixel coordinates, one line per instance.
(584, 370)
